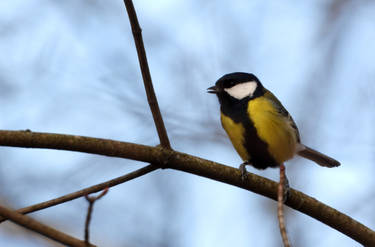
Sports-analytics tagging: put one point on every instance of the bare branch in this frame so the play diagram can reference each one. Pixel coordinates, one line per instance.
(205, 168)
(40, 228)
(151, 98)
(280, 203)
(91, 200)
(89, 190)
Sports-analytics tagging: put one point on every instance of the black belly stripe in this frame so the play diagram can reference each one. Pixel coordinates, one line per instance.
(256, 147)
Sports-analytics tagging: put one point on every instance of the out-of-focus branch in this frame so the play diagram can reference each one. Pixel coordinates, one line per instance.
(40, 228)
(205, 168)
(151, 98)
(91, 200)
(89, 190)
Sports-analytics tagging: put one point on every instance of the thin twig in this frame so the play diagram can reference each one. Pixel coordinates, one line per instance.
(41, 228)
(193, 165)
(91, 200)
(280, 203)
(151, 98)
(89, 190)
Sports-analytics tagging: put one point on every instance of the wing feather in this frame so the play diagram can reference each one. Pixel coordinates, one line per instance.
(283, 112)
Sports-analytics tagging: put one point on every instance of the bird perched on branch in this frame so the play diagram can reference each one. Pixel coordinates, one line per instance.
(259, 127)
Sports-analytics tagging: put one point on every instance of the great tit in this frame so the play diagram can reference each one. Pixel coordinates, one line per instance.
(259, 127)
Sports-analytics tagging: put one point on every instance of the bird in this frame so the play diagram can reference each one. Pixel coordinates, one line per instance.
(261, 130)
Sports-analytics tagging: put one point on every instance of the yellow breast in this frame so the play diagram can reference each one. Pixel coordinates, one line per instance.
(235, 132)
(273, 128)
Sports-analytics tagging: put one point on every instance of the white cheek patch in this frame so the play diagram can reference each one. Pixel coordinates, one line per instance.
(242, 90)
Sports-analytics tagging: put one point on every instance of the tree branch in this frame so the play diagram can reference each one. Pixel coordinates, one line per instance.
(201, 167)
(280, 202)
(91, 200)
(40, 228)
(151, 98)
(89, 190)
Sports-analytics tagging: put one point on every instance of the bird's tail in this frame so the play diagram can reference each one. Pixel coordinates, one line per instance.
(317, 157)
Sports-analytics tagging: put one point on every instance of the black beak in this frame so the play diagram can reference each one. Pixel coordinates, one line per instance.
(212, 89)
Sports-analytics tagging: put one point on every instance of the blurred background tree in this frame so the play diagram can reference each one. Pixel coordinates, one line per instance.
(71, 67)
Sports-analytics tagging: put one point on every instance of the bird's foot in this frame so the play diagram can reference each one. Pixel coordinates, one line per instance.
(243, 170)
(285, 180)
(286, 189)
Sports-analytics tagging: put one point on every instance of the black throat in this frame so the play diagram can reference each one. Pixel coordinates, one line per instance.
(237, 110)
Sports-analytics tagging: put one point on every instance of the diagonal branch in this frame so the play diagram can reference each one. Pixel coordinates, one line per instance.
(89, 190)
(40, 228)
(151, 98)
(205, 168)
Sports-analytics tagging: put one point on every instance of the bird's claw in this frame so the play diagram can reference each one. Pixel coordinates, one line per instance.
(243, 170)
(286, 190)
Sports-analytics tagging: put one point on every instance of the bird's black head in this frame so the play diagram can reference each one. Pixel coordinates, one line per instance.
(236, 87)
